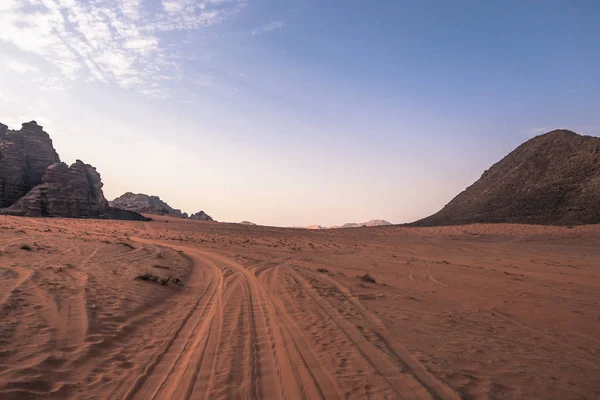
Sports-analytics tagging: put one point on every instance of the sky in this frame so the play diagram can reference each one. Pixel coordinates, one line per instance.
(293, 113)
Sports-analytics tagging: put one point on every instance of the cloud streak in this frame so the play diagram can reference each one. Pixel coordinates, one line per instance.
(110, 41)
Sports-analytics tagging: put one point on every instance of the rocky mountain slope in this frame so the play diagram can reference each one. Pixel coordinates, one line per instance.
(552, 179)
(146, 204)
(33, 181)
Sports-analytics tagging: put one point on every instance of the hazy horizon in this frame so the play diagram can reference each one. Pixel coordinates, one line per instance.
(297, 113)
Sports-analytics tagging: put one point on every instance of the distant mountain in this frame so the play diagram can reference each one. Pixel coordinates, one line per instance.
(315, 227)
(373, 222)
(201, 216)
(145, 204)
(552, 179)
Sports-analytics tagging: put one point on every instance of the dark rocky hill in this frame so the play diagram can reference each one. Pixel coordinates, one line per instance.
(552, 179)
(145, 204)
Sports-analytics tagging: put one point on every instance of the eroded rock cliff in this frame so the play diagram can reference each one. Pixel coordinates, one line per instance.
(25, 155)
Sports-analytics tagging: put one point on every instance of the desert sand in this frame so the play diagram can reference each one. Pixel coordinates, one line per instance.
(250, 312)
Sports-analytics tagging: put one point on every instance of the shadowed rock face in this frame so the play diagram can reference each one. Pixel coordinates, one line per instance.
(24, 156)
(552, 179)
(145, 204)
(74, 191)
(201, 216)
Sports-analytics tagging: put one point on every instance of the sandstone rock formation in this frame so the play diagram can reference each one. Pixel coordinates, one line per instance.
(201, 216)
(33, 181)
(74, 191)
(24, 156)
(145, 204)
(552, 179)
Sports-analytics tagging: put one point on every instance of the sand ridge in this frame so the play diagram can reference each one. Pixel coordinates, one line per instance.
(482, 311)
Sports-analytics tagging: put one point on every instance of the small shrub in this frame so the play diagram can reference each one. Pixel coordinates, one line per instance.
(154, 278)
(323, 270)
(368, 278)
(177, 281)
(26, 247)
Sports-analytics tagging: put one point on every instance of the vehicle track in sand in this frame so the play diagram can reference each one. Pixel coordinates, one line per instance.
(270, 331)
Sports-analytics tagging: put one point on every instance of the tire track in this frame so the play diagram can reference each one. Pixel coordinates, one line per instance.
(284, 335)
(380, 343)
(7, 289)
(154, 381)
(431, 278)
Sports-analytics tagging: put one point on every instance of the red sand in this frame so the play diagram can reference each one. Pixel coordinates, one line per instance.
(483, 311)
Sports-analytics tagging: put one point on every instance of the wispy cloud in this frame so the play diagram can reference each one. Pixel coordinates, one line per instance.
(267, 28)
(116, 41)
(20, 67)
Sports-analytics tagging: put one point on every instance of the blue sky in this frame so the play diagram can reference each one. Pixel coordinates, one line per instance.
(298, 112)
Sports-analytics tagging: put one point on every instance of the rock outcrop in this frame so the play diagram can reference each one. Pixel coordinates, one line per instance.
(145, 204)
(33, 181)
(552, 179)
(247, 223)
(148, 204)
(24, 157)
(74, 191)
(201, 216)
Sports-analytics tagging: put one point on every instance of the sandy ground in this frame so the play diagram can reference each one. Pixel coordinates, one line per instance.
(476, 312)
